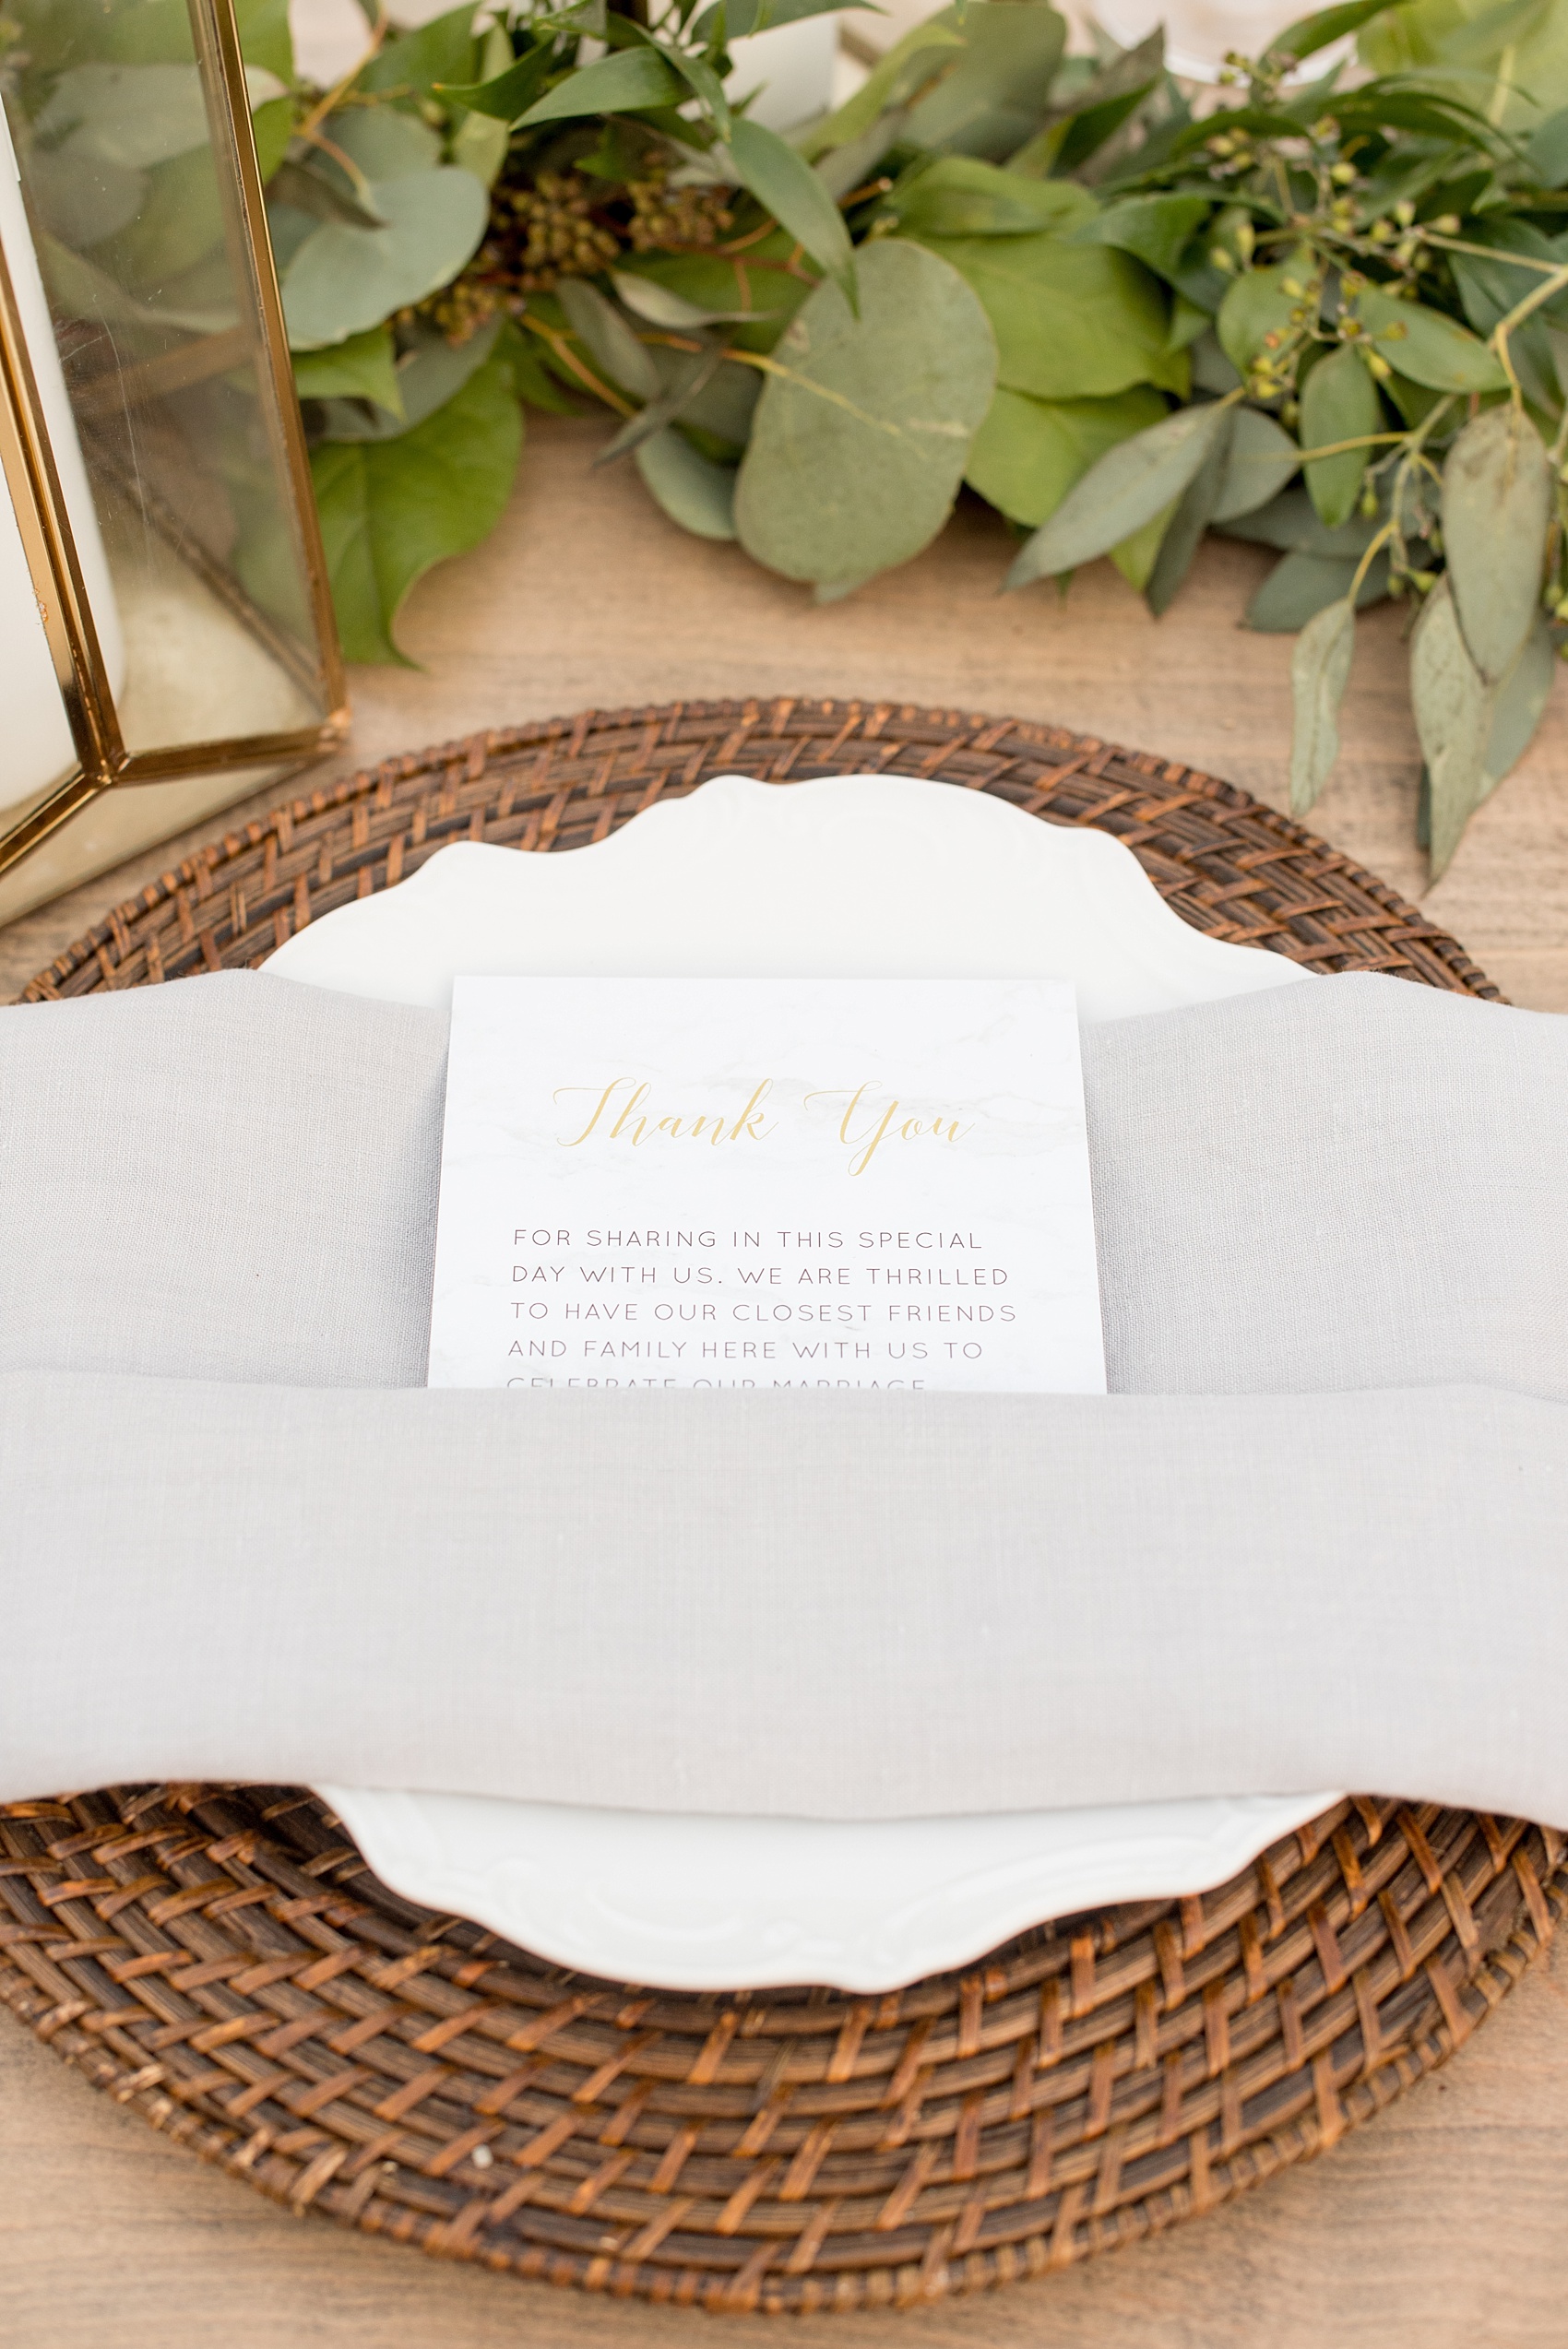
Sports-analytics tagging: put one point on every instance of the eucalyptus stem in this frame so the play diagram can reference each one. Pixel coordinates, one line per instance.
(1341, 448)
(1379, 541)
(340, 88)
(569, 358)
(1531, 303)
(1517, 317)
(1491, 253)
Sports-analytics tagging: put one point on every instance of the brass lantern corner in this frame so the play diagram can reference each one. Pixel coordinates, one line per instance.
(165, 609)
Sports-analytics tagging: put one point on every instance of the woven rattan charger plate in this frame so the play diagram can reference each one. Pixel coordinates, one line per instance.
(223, 1960)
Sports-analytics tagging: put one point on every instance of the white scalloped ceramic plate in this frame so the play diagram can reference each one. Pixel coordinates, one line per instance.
(879, 876)
(711, 1903)
(873, 874)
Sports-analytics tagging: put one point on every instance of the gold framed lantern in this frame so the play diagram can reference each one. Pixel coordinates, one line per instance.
(165, 617)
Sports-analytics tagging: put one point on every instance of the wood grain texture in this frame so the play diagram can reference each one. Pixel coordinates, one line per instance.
(1441, 2221)
(586, 595)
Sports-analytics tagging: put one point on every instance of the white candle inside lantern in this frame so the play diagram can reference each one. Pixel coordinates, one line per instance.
(36, 748)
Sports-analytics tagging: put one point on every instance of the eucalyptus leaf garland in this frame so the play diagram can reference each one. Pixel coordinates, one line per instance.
(1329, 317)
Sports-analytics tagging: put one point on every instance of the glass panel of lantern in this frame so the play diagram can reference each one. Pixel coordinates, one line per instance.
(165, 618)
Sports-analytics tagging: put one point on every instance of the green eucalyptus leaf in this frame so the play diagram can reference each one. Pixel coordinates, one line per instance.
(864, 427)
(155, 31)
(1498, 500)
(1320, 668)
(201, 302)
(505, 96)
(1125, 491)
(1547, 154)
(1072, 321)
(272, 127)
(1423, 113)
(608, 338)
(1492, 284)
(1427, 347)
(923, 52)
(1513, 56)
(343, 279)
(1074, 131)
(993, 96)
(1212, 371)
(1263, 458)
(179, 222)
(1188, 322)
(159, 31)
(960, 196)
(756, 295)
(426, 379)
(1308, 35)
(1340, 403)
(661, 306)
(624, 83)
(320, 197)
(844, 169)
(702, 82)
(391, 509)
(262, 25)
(692, 490)
(1156, 229)
(134, 115)
(480, 145)
(82, 207)
(363, 368)
(742, 18)
(1452, 709)
(722, 407)
(1519, 703)
(785, 184)
(1301, 585)
(1195, 511)
(1137, 556)
(684, 384)
(531, 378)
(1290, 523)
(480, 141)
(1529, 345)
(411, 65)
(1256, 315)
(1196, 275)
(1029, 453)
(382, 141)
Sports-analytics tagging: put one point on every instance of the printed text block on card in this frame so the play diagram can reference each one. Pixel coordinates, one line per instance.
(768, 1183)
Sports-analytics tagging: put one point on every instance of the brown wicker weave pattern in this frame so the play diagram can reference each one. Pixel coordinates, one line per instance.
(223, 1961)
(1229, 865)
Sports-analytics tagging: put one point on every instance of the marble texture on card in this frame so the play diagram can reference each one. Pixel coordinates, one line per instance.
(766, 1183)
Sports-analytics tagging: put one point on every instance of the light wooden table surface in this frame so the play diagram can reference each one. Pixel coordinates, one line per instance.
(1442, 2221)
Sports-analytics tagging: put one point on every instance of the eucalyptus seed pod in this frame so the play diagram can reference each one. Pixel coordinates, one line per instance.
(680, 219)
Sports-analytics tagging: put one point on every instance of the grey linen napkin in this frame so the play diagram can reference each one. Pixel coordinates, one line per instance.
(836, 1605)
(1317, 1536)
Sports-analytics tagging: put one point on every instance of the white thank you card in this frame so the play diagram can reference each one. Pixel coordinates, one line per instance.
(766, 1183)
